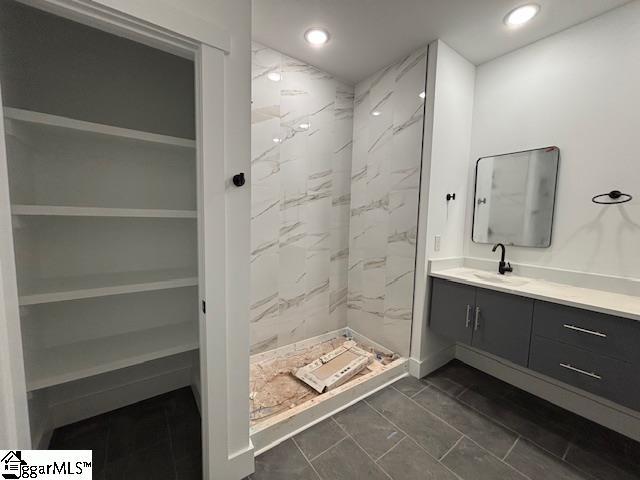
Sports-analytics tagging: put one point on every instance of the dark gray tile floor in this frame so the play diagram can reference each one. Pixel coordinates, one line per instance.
(456, 424)
(157, 439)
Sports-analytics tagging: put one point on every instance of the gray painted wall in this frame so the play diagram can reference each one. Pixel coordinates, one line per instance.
(57, 66)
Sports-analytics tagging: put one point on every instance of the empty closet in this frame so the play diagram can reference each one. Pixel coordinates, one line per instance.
(102, 176)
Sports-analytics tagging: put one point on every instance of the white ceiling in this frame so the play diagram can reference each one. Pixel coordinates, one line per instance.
(367, 35)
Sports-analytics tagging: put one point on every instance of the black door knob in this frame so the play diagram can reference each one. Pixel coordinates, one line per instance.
(238, 180)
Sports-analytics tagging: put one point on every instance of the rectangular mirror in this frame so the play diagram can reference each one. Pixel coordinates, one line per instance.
(514, 198)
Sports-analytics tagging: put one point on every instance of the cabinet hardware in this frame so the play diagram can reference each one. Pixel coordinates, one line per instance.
(584, 330)
(476, 322)
(583, 372)
(468, 320)
(204, 306)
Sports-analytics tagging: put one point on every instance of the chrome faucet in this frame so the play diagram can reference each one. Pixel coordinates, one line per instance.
(503, 266)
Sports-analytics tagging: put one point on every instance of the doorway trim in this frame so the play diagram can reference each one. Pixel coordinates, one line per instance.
(227, 448)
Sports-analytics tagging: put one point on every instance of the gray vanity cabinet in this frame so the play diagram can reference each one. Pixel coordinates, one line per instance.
(602, 334)
(604, 376)
(495, 322)
(592, 351)
(503, 325)
(452, 306)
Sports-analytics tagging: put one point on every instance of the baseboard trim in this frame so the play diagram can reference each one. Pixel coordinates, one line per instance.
(45, 440)
(241, 464)
(599, 410)
(422, 368)
(98, 402)
(196, 395)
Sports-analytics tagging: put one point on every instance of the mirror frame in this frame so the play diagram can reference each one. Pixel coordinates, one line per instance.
(555, 196)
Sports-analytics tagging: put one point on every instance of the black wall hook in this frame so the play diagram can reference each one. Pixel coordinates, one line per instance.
(615, 196)
(238, 180)
(451, 196)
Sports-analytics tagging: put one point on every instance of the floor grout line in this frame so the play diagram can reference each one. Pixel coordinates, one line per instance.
(463, 404)
(173, 455)
(361, 448)
(419, 391)
(588, 474)
(452, 447)
(498, 422)
(462, 392)
(325, 450)
(307, 460)
(406, 435)
(463, 434)
(433, 414)
(566, 452)
(106, 448)
(389, 450)
(510, 449)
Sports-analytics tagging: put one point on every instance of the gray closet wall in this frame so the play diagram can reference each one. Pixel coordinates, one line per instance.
(57, 66)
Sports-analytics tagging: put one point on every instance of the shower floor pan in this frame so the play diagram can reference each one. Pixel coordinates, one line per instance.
(282, 405)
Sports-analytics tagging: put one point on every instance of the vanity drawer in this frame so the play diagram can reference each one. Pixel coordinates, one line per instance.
(603, 376)
(603, 334)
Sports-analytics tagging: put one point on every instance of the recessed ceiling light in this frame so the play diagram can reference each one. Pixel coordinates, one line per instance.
(274, 76)
(316, 36)
(276, 140)
(304, 126)
(422, 95)
(376, 113)
(521, 15)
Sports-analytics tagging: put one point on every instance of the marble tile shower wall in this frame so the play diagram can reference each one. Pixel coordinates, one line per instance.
(301, 146)
(385, 181)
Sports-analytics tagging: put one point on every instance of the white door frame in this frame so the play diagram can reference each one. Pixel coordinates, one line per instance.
(227, 448)
(14, 417)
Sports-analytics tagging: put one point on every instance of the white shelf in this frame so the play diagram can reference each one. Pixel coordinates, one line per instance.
(50, 210)
(70, 123)
(67, 363)
(89, 286)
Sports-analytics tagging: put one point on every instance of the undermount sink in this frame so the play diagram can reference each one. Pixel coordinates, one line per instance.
(500, 279)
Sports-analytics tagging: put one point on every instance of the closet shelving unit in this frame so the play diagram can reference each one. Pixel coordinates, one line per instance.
(101, 214)
(89, 286)
(80, 125)
(56, 365)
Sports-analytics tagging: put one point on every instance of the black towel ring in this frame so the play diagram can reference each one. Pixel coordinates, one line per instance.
(616, 195)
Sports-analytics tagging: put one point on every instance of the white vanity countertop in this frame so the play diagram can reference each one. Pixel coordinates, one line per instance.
(602, 301)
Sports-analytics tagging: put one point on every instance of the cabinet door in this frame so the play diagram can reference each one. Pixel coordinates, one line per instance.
(452, 310)
(502, 325)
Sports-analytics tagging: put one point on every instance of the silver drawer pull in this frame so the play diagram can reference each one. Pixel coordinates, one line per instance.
(583, 372)
(584, 330)
(468, 321)
(476, 321)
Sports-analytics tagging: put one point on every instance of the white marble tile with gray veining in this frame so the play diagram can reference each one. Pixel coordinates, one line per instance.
(385, 180)
(301, 150)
